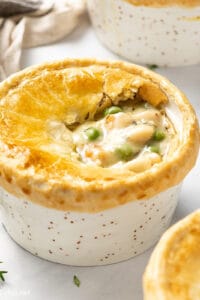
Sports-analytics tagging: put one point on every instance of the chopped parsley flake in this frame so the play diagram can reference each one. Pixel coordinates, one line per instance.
(2, 274)
(152, 67)
(76, 281)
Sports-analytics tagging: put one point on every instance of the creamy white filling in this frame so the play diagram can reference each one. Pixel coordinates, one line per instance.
(134, 126)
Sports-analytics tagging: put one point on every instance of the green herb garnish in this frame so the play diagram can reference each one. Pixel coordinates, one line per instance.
(152, 67)
(92, 133)
(147, 105)
(112, 110)
(2, 274)
(76, 281)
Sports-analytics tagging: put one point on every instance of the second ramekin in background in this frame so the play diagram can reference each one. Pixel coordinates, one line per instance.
(165, 33)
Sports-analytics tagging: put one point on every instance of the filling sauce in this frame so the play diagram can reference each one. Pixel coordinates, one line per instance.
(134, 136)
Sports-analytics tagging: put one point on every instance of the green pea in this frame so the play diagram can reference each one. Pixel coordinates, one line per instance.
(92, 133)
(112, 110)
(158, 135)
(154, 148)
(125, 152)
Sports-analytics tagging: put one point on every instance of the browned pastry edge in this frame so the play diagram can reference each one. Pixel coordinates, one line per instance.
(162, 277)
(107, 189)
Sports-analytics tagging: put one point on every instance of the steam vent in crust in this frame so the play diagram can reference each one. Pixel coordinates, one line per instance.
(76, 132)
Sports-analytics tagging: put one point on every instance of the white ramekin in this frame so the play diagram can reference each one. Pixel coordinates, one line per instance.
(105, 235)
(166, 36)
(85, 239)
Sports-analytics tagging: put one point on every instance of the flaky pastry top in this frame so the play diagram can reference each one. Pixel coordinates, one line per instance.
(174, 268)
(37, 165)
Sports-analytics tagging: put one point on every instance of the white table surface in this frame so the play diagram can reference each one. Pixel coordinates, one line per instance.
(32, 278)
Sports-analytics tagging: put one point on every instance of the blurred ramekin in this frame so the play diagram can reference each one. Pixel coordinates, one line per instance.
(74, 214)
(173, 269)
(165, 33)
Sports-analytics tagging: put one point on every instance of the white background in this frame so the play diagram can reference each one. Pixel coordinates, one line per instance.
(32, 278)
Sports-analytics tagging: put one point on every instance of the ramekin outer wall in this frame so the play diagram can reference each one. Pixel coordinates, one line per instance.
(84, 239)
(166, 36)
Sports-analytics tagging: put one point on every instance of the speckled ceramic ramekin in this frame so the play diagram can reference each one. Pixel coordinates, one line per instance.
(167, 35)
(79, 219)
(85, 239)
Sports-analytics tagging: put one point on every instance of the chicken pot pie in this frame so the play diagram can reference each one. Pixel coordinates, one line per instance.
(173, 270)
(154, 32)
(97, 151)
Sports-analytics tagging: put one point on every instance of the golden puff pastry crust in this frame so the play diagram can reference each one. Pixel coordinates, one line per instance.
(164, 3)
(35, 165)
(173, 271)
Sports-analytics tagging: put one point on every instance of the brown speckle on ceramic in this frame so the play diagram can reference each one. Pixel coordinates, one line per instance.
(65, 237)
(148, 35)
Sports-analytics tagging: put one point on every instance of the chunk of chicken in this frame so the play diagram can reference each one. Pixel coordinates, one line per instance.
(119, 120)
(149, 115)
(97, 154)
(144, 162)
(140, 133)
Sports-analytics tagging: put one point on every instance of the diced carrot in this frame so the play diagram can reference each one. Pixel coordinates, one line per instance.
(88, 153)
